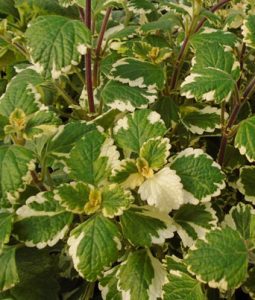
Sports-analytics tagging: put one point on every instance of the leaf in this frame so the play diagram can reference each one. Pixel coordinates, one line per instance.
(202, 120)
(115, 200)
(16, 164)
(211, 35)
(8, 8)
(6, 220)
(144, 226)
(233, 159)
(56, 43)
(148, 276)
(245, 183)
(66, 136)
(156, 151)
(123, 97)
(140, 6)
(73, 196)
(134, 129)
(242, 218)
(248, 31)
(194, 221)
(163, 190)
(213, 75)
(181, 286)
(21, 93)
(138, 73)
(168, 110)
(94, 246)
(244, 140)
(41, 221)
(108, 285)
(37, 268)
(201, 177)
(220, 259)
(8, 271)
(92, 158)
(248, 286)
(173, 263)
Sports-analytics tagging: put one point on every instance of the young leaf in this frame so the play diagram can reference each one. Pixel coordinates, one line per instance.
(213, 75)
(245, 183)
(182, 286)
(123, 97)
(248, 30)
(138, 73)
(56, 43)
(94, 246)
(6, 220)
(201, 177)
(41, 221)
(203, 120)
(244, 140)
(144, 226)
(108, 285)
(220, 259)
(115, 200)
(92, 158)
(8, 271)
(21, 93)
(156, 151)
(136, 128)
(148, 276)
(163, 190)
(242, 219)
(16, 164)
(194, 221)
(73, 196)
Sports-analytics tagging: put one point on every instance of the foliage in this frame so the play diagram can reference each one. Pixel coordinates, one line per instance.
(127, 149)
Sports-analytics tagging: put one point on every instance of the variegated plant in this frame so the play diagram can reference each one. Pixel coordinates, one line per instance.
(127, 150)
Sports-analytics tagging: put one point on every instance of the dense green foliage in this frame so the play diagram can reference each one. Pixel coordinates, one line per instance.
(127, 149)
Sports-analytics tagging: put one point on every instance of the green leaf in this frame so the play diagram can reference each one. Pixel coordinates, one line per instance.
(41, 221)
(194, 221)
(249, 285)
(35, 268)
(115, 200)
(244, 140)
(8, 271)
(212, 36)
(148, 276)
(248, 31)
(245, 183)
(144, 226)
(16, 164)
(213, 75)
(66, 136)
(134, 129)
(202, 120)
(92, 158)
(242, 219)
(233, 159)
(156, 151)
(94, 246)
(8, 8)
(22, 93)
(201, 177)
(6, 220)
(138, 73)
(73, 197)
(168, 110)
(108, 285)
(56, 43)
(123, 97)
(173, 263)
(220, 259)
(181, 286)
